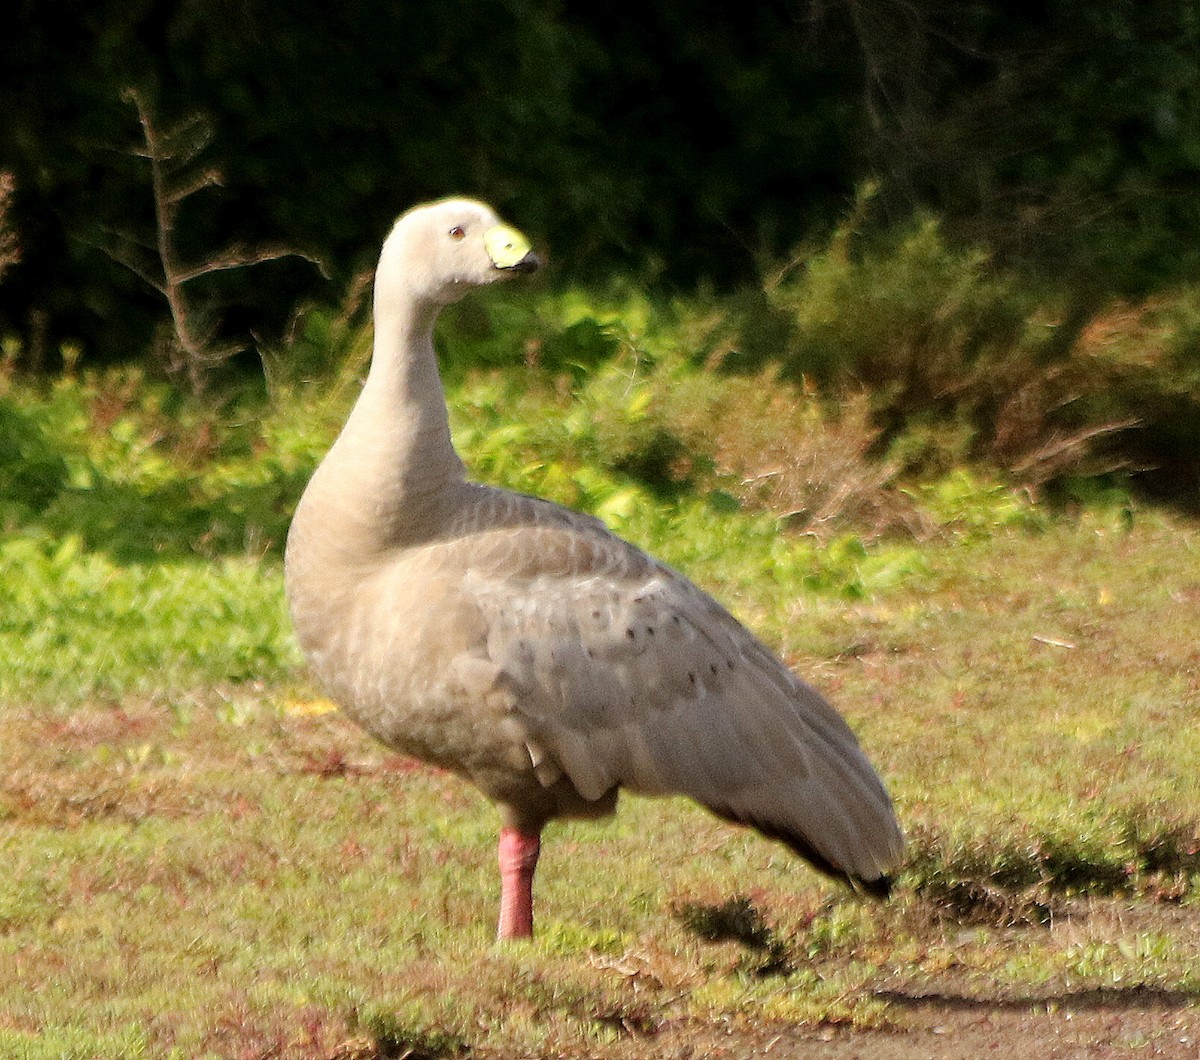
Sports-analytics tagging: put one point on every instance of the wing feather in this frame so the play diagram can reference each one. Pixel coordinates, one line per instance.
(624, 673)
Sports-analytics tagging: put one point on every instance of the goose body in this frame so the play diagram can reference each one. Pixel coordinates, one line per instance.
(524, 646)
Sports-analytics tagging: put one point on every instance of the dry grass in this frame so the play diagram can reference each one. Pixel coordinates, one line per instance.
(788, 453)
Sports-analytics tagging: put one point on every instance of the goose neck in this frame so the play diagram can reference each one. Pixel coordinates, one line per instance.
(395, 462)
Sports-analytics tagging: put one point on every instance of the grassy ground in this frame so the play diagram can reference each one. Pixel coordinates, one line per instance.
(201, 859)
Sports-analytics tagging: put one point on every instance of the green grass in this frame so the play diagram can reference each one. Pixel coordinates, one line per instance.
(77, 626)
(202, 860)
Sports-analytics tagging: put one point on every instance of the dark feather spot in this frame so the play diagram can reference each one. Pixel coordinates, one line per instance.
(630, 634)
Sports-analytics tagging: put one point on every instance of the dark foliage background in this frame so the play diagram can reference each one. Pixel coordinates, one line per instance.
(681, 142)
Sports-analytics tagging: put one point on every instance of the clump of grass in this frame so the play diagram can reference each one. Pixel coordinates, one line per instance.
(966, 504)
(1167, 854)
(1010, 879)
(391, 1038)
(778, 447)
(636, 1020)
(74, 1042)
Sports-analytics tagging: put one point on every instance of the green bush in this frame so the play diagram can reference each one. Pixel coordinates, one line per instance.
(903, 312)
(963, 362)
(32, 471)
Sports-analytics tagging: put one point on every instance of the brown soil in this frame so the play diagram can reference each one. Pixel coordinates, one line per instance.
(1136, 1022)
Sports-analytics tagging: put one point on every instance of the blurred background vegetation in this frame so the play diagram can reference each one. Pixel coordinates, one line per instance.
(949, 233)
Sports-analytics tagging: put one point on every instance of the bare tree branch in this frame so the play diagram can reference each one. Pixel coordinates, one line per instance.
(241, 257)
(122, 256)
(208, 179)
(171, 153)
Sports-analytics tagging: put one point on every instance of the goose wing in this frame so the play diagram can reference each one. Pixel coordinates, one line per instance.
(622, 672)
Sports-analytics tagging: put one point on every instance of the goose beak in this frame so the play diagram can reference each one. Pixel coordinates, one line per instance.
(509, 250)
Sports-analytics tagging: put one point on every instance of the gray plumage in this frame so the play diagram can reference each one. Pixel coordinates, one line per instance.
(524, 646)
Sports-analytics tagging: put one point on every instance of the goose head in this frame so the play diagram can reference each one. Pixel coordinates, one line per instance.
(436, 253)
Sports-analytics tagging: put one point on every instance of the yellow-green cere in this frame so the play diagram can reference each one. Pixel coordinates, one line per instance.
(505, 246)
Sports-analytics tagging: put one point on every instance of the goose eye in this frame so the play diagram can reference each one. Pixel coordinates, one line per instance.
(457, 233)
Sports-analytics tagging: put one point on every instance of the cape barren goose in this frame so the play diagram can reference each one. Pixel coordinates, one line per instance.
(522, 645)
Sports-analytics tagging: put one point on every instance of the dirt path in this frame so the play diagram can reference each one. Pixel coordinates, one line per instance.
(1137, 1022)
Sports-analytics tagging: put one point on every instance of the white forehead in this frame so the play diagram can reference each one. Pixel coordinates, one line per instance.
(449, 212)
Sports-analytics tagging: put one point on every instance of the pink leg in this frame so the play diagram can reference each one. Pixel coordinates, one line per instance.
(518, 858)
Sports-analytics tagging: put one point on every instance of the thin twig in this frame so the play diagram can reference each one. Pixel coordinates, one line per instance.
(1053, 642)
